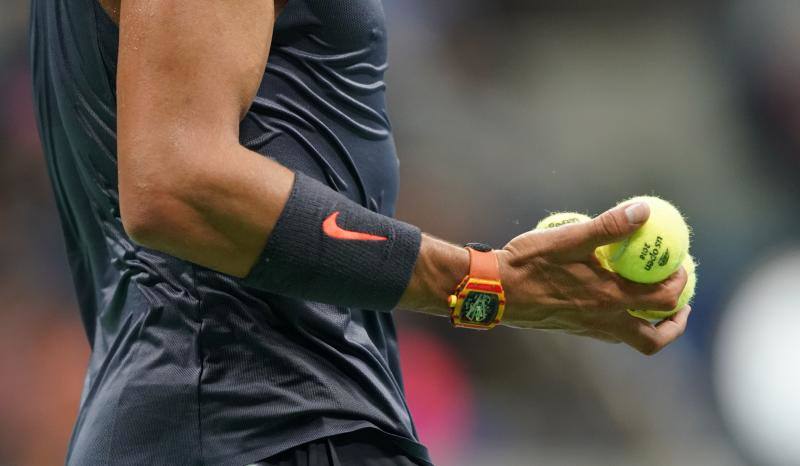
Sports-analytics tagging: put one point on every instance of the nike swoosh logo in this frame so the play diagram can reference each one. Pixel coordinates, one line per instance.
(333, 230)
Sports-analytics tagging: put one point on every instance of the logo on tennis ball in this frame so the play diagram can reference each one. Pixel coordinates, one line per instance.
(664, 258)
(566, 221)
(650, 254)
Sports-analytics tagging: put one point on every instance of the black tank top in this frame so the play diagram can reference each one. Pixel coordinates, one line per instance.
(188, 366)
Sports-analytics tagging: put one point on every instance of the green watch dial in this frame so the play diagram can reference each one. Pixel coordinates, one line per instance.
(480, 308)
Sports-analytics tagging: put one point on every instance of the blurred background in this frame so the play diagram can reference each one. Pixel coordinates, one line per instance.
(523, 107)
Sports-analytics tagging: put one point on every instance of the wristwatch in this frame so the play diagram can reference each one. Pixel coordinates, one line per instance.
(479, 300)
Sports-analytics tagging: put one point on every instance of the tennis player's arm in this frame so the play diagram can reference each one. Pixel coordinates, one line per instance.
(187, 74)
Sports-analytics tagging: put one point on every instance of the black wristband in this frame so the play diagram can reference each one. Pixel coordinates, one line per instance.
(327, 248)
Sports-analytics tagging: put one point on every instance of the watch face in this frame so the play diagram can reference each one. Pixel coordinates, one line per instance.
(480, 308)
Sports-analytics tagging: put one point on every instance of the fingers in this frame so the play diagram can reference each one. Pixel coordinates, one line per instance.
(611, 226)
(662, 296)
(649, 339)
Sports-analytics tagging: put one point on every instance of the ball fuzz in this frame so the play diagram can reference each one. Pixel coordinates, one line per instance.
(654, 251)
(561, 218)
(684, 299)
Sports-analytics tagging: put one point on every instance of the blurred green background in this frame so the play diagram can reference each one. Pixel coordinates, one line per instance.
(515, 108)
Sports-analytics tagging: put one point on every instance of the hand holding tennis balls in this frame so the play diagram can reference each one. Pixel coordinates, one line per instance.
(650, 255)
(553, 282)
(656, 250)
(653, 253)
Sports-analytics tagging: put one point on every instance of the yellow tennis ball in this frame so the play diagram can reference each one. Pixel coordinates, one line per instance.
(654, 251)
(561, 218)
(684, 299)
(602, 256)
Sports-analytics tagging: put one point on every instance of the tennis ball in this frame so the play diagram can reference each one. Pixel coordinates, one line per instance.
(561, 218)
(654, 251)
(602, 256)
(684, 299)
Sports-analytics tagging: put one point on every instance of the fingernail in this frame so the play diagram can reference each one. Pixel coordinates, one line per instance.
(637, 213)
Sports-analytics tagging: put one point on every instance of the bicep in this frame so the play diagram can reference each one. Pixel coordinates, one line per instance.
(187, 73)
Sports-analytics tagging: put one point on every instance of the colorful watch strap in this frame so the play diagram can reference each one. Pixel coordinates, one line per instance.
(483, 265)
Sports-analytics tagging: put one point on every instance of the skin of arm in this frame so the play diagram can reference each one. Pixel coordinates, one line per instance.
(187, 74)
(179, 191)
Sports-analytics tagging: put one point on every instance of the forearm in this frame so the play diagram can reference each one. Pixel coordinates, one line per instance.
(224, 220)
(218, 214)
(439, 268)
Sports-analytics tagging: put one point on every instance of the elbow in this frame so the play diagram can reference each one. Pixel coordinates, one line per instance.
(152, 206)
(147, 219)
(163, 183)
(143, 231)
(165, 193)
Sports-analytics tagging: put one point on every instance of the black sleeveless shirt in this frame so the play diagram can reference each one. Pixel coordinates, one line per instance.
(188, 366)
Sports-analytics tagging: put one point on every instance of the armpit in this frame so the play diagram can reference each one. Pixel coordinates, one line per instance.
(111, 8)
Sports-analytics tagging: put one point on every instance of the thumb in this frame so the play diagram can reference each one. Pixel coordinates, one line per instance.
(615, 225)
